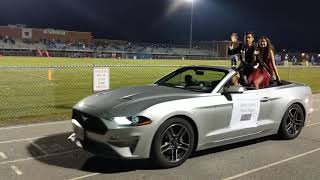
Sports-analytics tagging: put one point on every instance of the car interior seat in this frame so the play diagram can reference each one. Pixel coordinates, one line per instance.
(274, 83)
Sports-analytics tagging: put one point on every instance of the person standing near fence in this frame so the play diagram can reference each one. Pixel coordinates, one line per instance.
(295, 60)
(278, 59)
(234, 58)
(312, 60)
(307, 60)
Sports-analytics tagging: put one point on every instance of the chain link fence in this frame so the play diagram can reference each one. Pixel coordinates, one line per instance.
(48, 93)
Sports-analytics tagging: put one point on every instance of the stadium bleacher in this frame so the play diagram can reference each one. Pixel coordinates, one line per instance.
(110, 46)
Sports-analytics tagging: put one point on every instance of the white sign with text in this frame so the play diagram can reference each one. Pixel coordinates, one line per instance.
(101, 79)
(245, 113)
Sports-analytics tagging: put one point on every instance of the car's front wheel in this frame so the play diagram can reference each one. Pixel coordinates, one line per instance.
(292, 123)
(173, 143)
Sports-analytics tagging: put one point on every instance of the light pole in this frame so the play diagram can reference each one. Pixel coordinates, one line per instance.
(191, 24)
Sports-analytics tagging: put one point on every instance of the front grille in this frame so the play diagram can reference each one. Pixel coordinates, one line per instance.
(89, 122)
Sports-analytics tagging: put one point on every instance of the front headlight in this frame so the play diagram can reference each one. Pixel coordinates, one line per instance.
(132, 121)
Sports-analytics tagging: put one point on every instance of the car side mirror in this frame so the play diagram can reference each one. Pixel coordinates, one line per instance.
(235, 89)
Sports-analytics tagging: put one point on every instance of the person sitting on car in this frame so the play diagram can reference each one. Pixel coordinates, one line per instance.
(234, 81)
(232, 84)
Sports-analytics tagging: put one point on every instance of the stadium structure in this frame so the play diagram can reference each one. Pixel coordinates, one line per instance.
(19, 40)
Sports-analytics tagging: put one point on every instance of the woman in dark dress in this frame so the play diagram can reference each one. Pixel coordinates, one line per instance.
(266, 67)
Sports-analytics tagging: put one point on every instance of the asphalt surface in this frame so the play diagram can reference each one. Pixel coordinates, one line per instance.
(42, 151)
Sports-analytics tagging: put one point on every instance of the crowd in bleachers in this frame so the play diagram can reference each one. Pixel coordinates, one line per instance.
(7, 39)
(106, 46)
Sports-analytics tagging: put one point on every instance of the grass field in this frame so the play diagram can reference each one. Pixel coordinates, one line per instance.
(27, 95)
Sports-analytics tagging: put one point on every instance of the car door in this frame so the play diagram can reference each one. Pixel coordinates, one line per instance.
(240, 117)
(268, 100)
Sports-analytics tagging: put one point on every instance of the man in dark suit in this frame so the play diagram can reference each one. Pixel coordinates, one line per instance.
(246, 52)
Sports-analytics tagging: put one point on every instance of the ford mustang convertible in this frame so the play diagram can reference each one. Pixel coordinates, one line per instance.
(190, 109)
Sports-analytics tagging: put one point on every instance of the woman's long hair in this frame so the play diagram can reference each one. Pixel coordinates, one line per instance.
(265, 52)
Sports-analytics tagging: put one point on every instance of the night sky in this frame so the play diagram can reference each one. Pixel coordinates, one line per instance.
(290, 24)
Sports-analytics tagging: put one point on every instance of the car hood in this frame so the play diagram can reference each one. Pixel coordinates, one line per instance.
(130, 101)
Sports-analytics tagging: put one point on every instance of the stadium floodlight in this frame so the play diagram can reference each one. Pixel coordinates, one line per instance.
(189, 1)
(191, 24)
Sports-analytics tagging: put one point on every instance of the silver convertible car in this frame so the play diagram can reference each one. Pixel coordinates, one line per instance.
(192, 108)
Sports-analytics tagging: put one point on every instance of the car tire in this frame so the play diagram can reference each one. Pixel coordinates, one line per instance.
(173, 143)
(292, 123)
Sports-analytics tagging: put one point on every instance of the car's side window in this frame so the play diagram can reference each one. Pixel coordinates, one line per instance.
(195, 79)
(198, 77)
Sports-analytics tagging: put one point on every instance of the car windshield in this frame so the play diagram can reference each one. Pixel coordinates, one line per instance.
(194, 79)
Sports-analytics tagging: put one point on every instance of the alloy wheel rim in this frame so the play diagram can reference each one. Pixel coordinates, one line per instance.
(294, 121)
(175, 142)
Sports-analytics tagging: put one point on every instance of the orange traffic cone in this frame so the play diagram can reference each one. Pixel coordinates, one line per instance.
(49, 75)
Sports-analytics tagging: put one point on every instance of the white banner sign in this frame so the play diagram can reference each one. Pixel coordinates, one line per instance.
(245, 112)
(26, 33)
(52, 31)
(101, 79)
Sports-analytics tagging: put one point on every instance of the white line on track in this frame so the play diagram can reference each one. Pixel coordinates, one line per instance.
(242, 174)
(35, 125)
(16, 170)
(18, 140)
(270, 165)
(37, 146)
(39, 157)
(81, 177)
(3, 155)
(312, 124)
(89, 175)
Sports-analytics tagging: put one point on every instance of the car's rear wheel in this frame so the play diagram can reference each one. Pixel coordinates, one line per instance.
(292, 123)
(173, 143)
